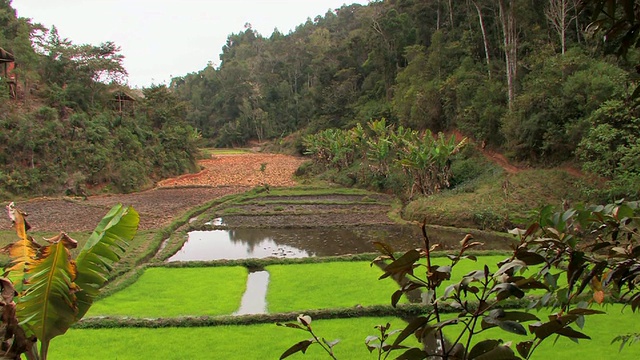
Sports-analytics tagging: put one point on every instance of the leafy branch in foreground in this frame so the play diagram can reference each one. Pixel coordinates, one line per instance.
(305, 325)
(627, 339)
(572, 259)
(380, 342)
(53, 291)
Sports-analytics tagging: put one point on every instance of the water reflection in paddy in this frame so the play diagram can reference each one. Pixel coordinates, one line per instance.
(296, 243)
(254, 299)
(225, 244)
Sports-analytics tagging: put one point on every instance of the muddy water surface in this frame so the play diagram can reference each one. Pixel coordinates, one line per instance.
(297, 243)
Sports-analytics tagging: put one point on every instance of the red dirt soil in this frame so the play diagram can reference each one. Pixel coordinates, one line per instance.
(241, 170)
(222, 175)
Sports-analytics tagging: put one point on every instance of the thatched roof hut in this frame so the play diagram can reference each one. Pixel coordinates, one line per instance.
(124, 99)
(6, 57)
(7, 64)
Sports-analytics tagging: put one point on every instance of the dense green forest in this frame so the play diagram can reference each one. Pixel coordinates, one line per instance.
(532, 79)
(529, 78)
(67, 131)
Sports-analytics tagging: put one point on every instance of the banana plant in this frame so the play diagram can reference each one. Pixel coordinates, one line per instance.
(428, 161)
(53, 290)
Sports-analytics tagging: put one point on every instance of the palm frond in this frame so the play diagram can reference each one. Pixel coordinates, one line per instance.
(104, 247)
(47, 306)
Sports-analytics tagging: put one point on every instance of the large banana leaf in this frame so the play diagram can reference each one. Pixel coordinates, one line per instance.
(53, 291)
(103, 247)
(47, 306)
(20, 252)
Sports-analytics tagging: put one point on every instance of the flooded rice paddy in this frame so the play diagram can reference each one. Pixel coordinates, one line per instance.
(250, 243)
(256, 243)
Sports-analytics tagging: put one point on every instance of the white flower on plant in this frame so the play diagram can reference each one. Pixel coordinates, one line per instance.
(304, 319)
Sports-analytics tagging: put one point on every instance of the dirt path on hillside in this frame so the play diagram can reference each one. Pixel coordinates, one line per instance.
(222, 175)
(500, 160)
(492, 156)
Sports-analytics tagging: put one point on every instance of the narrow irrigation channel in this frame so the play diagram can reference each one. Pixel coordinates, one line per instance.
(254, 300)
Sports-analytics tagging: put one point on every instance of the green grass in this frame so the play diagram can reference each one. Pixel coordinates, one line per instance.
(292, 287)
(488, 205)
(327, 285)
(266, 341)
(346, 284)
(207, 153)
(269, 341)
(163, 292)
(601, 328)
(465, 266)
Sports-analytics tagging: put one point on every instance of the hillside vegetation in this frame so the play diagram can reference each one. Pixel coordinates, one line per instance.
(533, 80)
(72, 127)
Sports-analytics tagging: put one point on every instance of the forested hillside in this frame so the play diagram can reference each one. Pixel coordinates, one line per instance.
(530, 78)
(69, 125)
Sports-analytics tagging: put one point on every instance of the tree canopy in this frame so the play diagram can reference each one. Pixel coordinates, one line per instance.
(75, 125)
(526, 78)
(516, 75)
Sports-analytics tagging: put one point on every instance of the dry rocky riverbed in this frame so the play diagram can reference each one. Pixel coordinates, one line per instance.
(222, 175)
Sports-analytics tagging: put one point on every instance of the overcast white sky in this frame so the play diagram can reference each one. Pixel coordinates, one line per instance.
(165, 38)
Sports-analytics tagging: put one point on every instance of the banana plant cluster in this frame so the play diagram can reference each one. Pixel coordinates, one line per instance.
(576, 258)
(45, 291)
(382, 148)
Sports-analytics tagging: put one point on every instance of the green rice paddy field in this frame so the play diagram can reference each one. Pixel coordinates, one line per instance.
(296, 287)
(211, 291)
(268, 341)
(163, 292)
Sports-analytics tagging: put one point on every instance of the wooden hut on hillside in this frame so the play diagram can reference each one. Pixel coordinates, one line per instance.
(7, 65)
(123, 100)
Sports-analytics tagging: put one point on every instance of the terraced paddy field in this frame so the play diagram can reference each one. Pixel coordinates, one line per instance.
(177, 309)
(210, 291)
(161, 292)
(293, 288)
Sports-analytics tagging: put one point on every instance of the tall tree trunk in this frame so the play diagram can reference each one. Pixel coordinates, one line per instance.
(576, 6)
(563, 41)
(484, 36)
(558, 15)
(508, 21)
(438, 15)
(451, 13)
